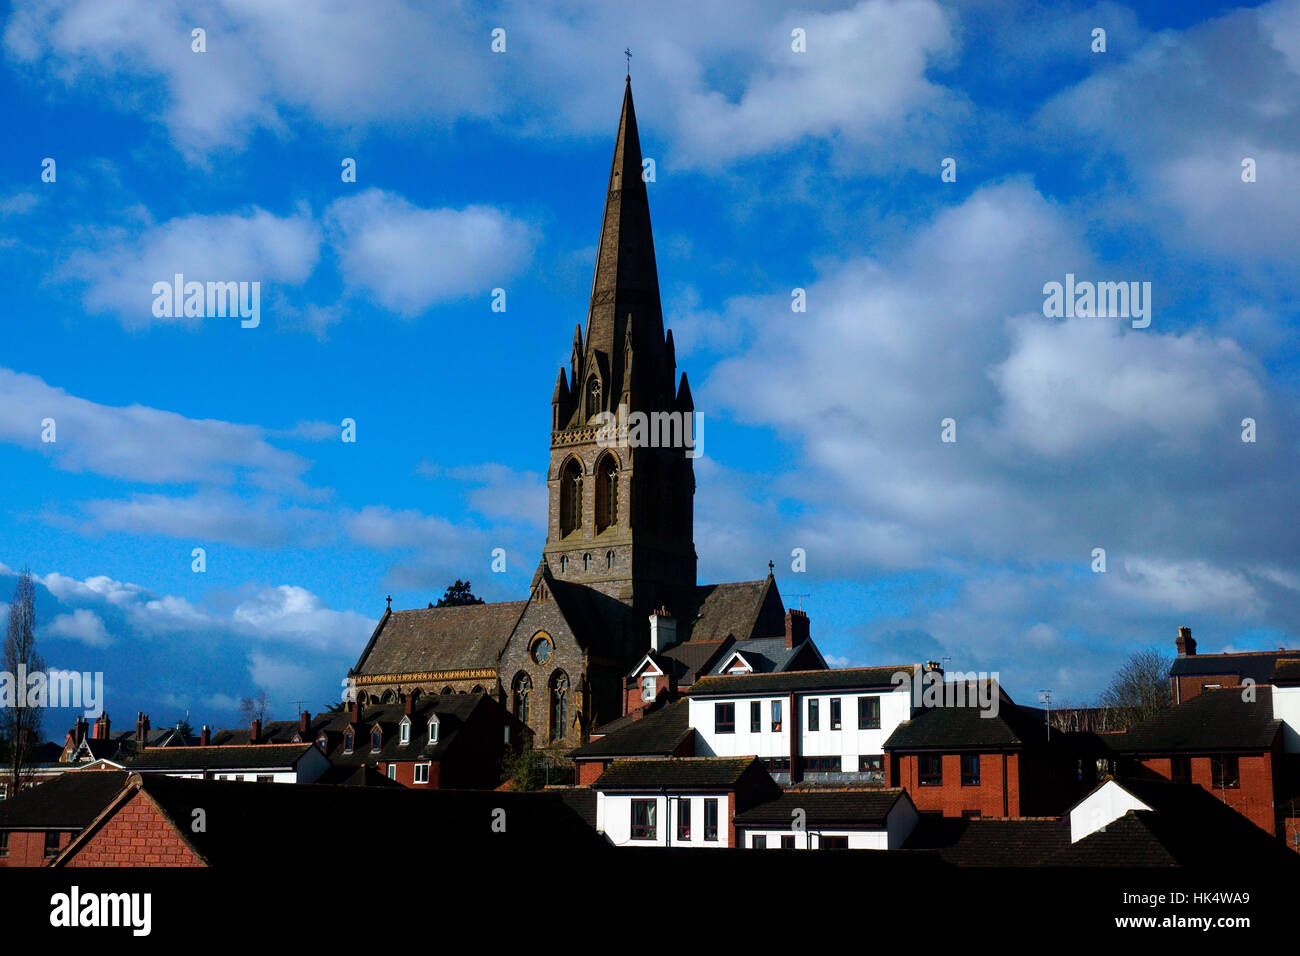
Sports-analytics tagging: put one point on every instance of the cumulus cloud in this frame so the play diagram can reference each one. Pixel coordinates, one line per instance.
(81, 625)
(410, 258)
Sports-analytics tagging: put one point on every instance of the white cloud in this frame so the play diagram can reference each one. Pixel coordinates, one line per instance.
(81, 625)
(410, 258)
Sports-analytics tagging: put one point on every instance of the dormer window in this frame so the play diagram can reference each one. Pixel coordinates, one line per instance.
(322, 742)
(648, 682)
(433, 730)
(347, 742)
(376, 739)
(405, 730)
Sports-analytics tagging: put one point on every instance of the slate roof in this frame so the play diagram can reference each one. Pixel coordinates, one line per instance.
(1212, 720)
(599, 622)
(467, 637)
(849, 808)
(688, 660)
(765, 654)
(740, 609)
(66, 802)
(454, 711)
(675, 773)
(842, 678)
(581, 800)
(991, 841)
(958, 727)
(1257, 665)
(280, 824)
(1286, 670)
(658, 733)
(254, 757)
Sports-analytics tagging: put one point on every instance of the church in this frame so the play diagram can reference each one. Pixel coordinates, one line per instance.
(615, 593)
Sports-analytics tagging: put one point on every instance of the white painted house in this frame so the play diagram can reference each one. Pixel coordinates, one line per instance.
(862, 819)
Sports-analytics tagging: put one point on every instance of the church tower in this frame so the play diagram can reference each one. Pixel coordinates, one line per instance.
(620, 508)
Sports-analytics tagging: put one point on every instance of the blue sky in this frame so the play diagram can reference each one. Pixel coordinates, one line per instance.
(775, 170)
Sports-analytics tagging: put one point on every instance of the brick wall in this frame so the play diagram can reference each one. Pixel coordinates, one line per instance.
(997, 795)
(28, 848)
(1189, 685)
(135, 835)
(1253, 799)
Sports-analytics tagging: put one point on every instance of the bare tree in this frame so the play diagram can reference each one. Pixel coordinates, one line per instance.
(21, 723)
(255, 708)
(1140, 689)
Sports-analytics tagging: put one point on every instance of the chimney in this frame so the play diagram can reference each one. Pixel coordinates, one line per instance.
(304, 722)
(79, 730)
(932, 666)
(663, 630)
(255, 732)
(408, 704)
(355, 711)
(141, 729)
(796, 628)
(100, 730)
(1186, 644)
(205, 736)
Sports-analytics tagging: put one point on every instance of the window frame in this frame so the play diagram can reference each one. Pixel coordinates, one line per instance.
(814, 715)
(929, 779)
(421, 769)
(712, 808)
(649, 829)
(1178, 762)
(776, 717)
(1219, 778)
(684, 832)
(969, 779)
(755, 716)
(721, 724)
(51, 851)
(869, 712)
(836, 714)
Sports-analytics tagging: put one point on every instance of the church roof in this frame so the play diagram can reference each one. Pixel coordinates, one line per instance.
(740, 609)
(440, 638)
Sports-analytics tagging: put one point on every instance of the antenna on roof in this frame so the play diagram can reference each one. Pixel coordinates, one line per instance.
(1047, 699)
(801, 597)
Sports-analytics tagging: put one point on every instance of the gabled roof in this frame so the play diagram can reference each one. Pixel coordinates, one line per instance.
(676, 773)
(843, 679)
(466, 637)
(938, 728)
(1017, 841)
(689, 660)
(824, 807)
(767, 655)
(454, 713)
(292, 825)
(1257, 665)
(739, 609)
(67, 802)
(658, 733)
(253, 757)
(599, 622)
(1287, 670)
(1212, 720)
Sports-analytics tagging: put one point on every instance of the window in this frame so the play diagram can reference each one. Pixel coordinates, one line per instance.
(834, 843)
(835, 713)
(4, 791)
(776, 716)
(564, 563)
(822, 764)
(593, 396)
(586, 562)
(609, 560)
(522, 690)
(760, 841)
(406, 730)
(648, 682)
(265, 778)
(970, 770)
(787, 843)
(392, 771)
(433, 730)
(777, 764)
(711, 818)
(970, 814)
(814, 714)
(1181, 769)
(4, 844)
(873, 765)
(376, 739)
(1224, 770)
(571, 497)
(606, 495)
(724, 718)
(559, 705)
(422, 773)
(683, 819)
(322, 743)
(931, 770)
(347, 742)
(51, 843)
(868, 713)
(755, 717)
(643, 820)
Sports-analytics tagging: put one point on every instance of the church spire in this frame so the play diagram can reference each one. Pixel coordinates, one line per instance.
(624, 308)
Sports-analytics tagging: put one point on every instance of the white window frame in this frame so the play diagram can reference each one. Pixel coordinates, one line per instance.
(648, 683)
(422, 770)
(392, 771)
(433, 730)
(405, 732)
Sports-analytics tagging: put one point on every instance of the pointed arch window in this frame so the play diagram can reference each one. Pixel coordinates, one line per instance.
(559, 704)
(564, 563)
(593, 396)
(606, 493)
(586, 562)
(520, 693)
(571, 497)
(609, 560)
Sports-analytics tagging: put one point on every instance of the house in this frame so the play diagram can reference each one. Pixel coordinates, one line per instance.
(439, 741)
(823, 725)
(1192, 673)
(969, 760)
(661, 732)
(41, 821)
(827, 819)
(85, 743)
(158, 820)
(678, 801)
(264, 763)
(1227, 740)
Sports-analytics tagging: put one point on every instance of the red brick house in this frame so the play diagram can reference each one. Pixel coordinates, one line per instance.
(41, 821)
(660, 732)
(1192, 673)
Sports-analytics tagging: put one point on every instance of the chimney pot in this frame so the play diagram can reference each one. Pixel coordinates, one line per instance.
(796, 628)
(304, 723)
(255, 732)
(663, 630)
(1186, 644)
(205, 736)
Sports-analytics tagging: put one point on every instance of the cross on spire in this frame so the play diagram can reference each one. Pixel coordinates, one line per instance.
(627, 52)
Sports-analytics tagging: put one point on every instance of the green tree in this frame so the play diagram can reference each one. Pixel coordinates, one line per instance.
(525, 768)
(458, 594)
(21, 724)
